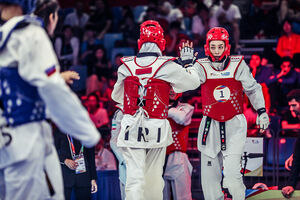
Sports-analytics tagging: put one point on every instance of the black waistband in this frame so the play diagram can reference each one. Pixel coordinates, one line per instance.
(222, 133)
(206, 130)
(223, 136)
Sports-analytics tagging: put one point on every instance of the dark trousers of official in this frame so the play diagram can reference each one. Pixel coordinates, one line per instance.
(81, 193)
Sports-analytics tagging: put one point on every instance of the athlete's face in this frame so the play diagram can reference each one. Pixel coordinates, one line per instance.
(217, 48)
(294, 107)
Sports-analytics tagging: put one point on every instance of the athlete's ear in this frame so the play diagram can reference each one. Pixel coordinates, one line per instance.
(51, 17)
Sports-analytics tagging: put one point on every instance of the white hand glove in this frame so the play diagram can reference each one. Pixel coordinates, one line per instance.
(263, 121)
(187, 53)
(187, 56)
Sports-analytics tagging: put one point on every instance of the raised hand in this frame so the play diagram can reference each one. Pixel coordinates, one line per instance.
(187, 55)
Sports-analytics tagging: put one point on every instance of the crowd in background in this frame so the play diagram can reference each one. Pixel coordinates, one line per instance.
(82, 38)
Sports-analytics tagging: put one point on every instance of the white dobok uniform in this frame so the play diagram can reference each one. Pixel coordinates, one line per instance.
(178, 169)
(212, 157)
(145, 153)
(30, 82)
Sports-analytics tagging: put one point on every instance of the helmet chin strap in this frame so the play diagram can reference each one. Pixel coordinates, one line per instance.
(213, 59)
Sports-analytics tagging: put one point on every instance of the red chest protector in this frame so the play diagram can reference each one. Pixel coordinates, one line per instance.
(222, 95)
(180, 134)
(156, 99)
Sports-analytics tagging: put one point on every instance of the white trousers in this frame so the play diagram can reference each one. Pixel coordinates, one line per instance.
(177, 177)
(122, 189)
(211, 176)
(144, 173)
(24, 176)
(53, 170)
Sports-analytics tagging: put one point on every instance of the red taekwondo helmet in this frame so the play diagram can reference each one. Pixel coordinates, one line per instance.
(151, 31)
(217, 33)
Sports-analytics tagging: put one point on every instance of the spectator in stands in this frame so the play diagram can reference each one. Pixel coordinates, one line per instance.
(290, 10)
(67, 48)
(291, 118)
(174, 39)
(171, 14)
(259, 69)
(89, 42)
(294, 160)
(117, 61)
(190, 8)
(77, 18)
(98, 114)
(101, 18)
(229, 16)
(201, 23)
(152, 14)
(289, 43)
(262, 20)
(92, 84)
(152, 5)
(214, 7)
(98, 64)
(130, 31)
(282, 82)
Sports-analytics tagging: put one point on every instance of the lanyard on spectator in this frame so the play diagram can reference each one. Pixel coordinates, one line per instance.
(72, 147)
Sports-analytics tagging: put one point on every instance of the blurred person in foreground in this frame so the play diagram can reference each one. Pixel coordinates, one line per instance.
(30, 81)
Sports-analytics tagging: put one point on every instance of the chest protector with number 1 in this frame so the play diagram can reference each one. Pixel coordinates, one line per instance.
(222, 95)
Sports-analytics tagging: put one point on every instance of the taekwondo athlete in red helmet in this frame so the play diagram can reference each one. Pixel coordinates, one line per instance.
(143, 87)
(178, 169)
(222, 133)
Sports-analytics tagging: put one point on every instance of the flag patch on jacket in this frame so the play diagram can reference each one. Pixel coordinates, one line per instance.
(50, 70)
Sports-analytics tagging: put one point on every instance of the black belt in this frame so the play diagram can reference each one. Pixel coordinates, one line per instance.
(206, 130)
(222, 133)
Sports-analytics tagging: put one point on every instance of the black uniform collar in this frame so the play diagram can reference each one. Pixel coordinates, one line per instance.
(145, 54)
